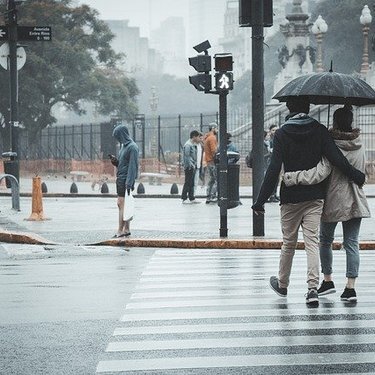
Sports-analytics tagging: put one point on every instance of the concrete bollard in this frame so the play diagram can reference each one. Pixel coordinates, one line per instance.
(140, 188)
(44, 188)
(37, 203)
(104, 189)
(73, 188)
(174, 189)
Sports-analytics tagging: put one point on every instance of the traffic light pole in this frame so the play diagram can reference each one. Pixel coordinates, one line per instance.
(13, 83)
(257, 110)
(223, 165)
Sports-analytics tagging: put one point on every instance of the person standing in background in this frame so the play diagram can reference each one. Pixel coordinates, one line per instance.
(271, 134)
(190, 166)
(210, 149)
(199, 169)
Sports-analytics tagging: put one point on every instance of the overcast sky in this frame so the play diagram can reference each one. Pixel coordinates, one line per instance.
(142, 13)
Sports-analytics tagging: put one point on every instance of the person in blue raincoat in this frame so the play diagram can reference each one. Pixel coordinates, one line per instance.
(127, 172)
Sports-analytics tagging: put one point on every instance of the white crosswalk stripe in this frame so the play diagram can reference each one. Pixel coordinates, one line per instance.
(212, 312)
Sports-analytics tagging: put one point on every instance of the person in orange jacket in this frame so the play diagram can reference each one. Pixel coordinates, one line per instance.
(210, 149)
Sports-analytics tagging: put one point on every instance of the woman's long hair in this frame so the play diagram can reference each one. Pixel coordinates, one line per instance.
(343, 119)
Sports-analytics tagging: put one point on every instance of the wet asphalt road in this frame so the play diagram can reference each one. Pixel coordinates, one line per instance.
(82, 310)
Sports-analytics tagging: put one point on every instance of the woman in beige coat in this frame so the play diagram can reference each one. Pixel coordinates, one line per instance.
(345, 202)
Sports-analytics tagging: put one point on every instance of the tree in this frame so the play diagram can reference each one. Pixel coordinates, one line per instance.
(77, 66)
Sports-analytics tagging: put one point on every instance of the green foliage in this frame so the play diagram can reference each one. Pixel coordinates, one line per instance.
(77, 66)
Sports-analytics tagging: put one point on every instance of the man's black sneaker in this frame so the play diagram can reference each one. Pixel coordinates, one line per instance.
(349, 295)
(312, 297)
(326, 287)
(274, 284)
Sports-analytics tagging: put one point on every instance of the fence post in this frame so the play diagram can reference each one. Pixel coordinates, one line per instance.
(144, 139)
(159, 124)
(201, 122)
(73, 142)
(82, 145)
(179, 146)
(64, 143)
(91, 143)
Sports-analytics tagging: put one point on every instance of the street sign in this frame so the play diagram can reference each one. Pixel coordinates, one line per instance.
(3, 33)
(4, 56)
(35, 33)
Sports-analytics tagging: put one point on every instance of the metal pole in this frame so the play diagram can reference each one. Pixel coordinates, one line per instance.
(179, 146)
(223, 165)
(159, 123)
(143, 139)
(13, 82)
(257, 109)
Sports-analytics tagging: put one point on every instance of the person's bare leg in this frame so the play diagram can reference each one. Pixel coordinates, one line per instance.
(121, 223)
(126, 226)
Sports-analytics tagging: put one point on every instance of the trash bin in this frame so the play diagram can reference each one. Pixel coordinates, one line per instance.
(10, 166)
(233, 197)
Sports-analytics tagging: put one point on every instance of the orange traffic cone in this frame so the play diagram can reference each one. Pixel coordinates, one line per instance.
(37, 203)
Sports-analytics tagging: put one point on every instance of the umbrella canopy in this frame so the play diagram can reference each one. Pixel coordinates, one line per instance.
(329, 88)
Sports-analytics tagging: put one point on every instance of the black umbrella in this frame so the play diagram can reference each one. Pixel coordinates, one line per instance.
(329, 88)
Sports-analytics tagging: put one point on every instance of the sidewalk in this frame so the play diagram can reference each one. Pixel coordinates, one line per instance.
(159, 222)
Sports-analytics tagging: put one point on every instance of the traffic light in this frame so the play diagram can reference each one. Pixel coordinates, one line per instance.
(223, 62)
(202, 64)
(246, 13)
(224, 81)
(224, 76)
(202, 82)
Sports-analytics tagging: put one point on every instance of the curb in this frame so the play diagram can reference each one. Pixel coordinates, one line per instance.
(256, 243)
(23, 238)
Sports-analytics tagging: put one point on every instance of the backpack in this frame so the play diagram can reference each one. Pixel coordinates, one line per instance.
(249, 159)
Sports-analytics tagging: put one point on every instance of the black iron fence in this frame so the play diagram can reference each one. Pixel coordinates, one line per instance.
(162, 137)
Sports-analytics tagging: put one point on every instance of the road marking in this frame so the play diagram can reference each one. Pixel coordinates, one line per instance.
(232, 361)
(244, 327)
(242, 342)
(189, 307)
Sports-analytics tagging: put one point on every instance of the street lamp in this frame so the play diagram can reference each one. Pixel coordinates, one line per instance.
(365, 20)
(154, 101)
(319, 28)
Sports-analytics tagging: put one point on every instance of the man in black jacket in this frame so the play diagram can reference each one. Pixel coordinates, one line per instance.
(300, 144)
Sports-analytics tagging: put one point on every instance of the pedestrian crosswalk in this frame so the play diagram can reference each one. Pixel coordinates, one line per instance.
(212, 312)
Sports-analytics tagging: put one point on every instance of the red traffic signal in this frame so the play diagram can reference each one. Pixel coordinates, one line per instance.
(223, 62)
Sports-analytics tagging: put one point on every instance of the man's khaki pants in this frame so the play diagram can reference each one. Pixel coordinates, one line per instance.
(307, 215)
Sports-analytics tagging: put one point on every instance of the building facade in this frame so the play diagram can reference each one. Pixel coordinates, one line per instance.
(139, 57)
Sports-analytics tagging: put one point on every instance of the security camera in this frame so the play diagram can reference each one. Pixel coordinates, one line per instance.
(202, 47)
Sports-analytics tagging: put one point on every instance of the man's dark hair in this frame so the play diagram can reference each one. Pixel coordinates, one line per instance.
(194, 133)
(273, 126)
(298, 104)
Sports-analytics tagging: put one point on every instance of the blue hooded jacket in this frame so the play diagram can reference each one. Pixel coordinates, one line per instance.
(127, 169)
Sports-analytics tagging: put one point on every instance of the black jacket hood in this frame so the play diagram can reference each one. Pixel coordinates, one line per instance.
(299, 126)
